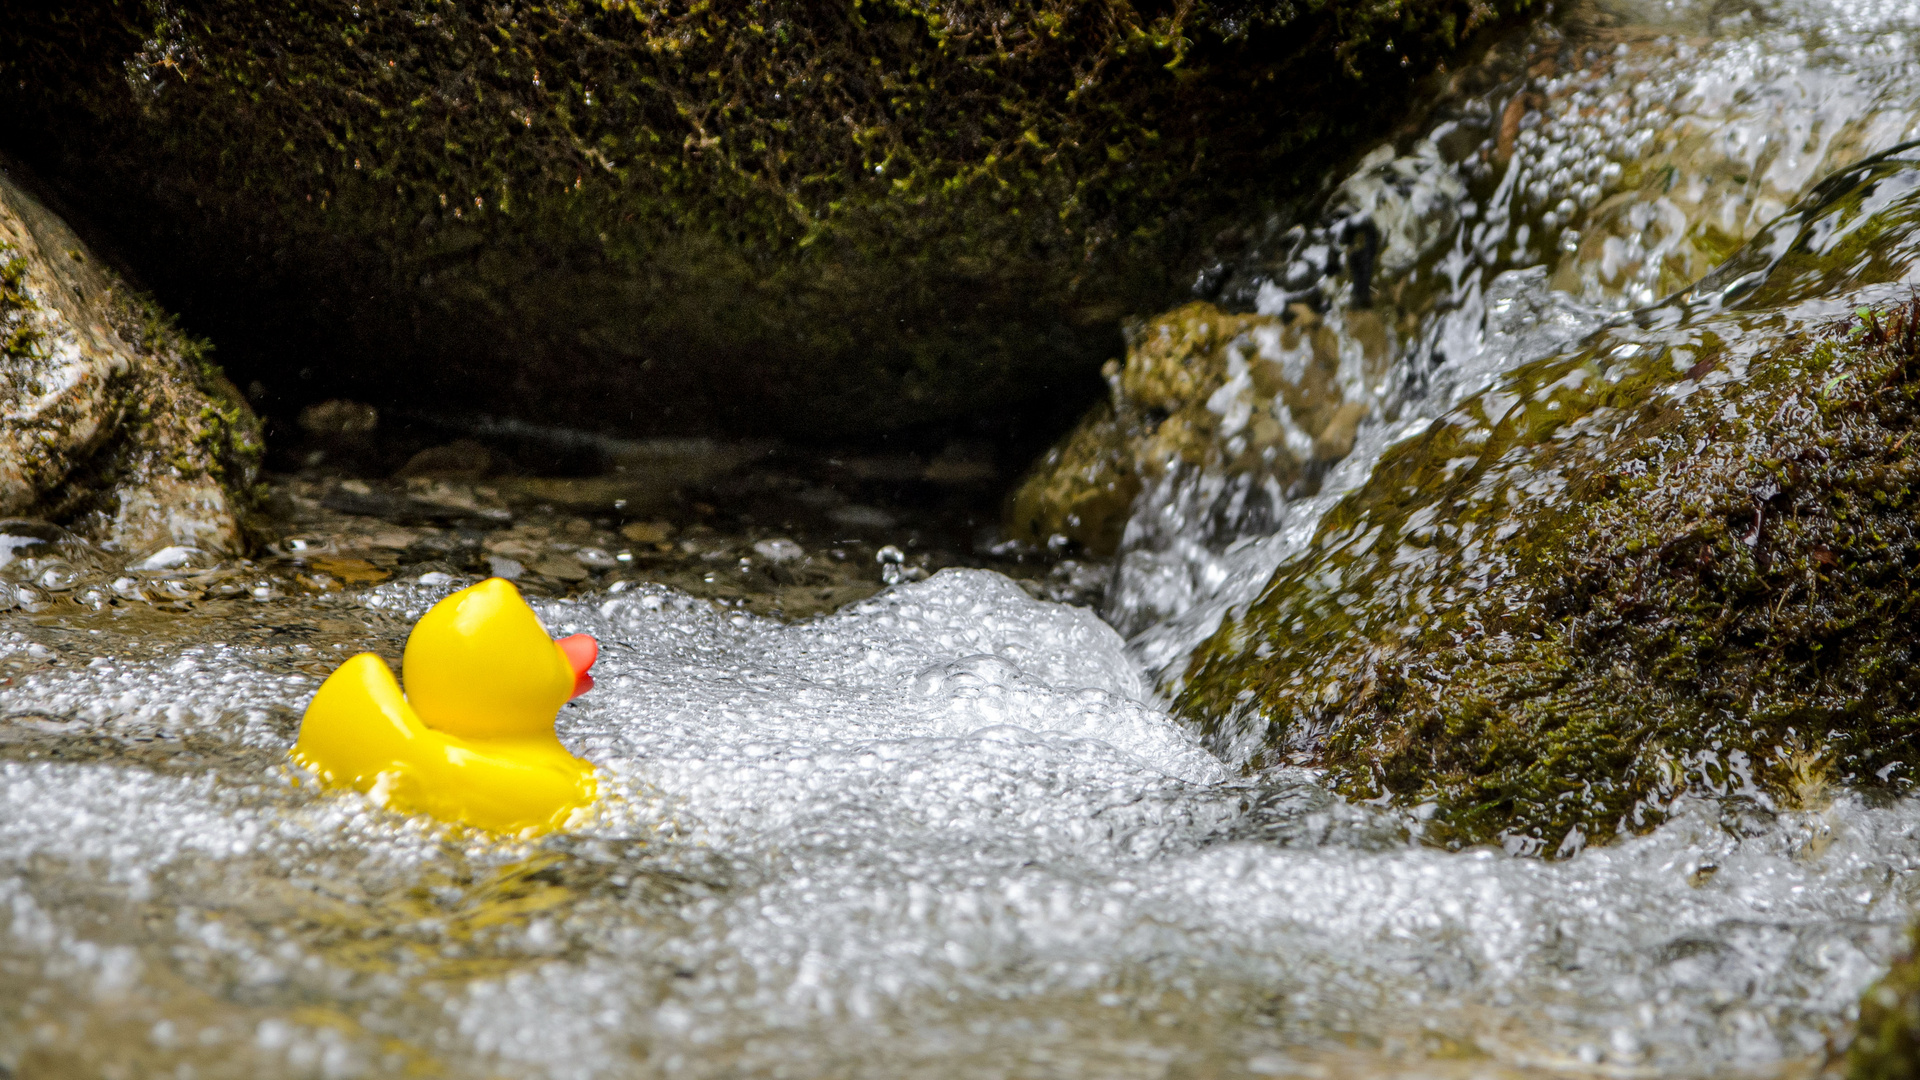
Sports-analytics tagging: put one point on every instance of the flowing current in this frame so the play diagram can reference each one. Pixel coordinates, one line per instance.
(953, 831)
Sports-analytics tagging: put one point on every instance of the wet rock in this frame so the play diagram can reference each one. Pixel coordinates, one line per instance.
(115, 422)
(1266, 400)
(462, 459)
(623, 491)
(560, 567)
(963, 463)
(779, 217)
(340, 421)
(337, 433)
(427, 503)
(861, 518)
(1481, 251)
(1886, 1041)
(647, 532)
(1081, 490)
(1677, 558)
(766, 552)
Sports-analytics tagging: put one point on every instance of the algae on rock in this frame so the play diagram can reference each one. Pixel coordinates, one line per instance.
(1886, 1040)
(1266, 400)
(114, 422)
(813, 218)
(1678, 557)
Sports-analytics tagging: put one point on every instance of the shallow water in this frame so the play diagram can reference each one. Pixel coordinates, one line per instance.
(951, 830)
(939, 833)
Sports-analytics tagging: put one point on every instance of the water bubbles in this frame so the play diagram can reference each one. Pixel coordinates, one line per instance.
(595, 558)
(176, 557)
(782, 550)
(893, 568)
(950, 802)
(174, 590)
(1625, 175)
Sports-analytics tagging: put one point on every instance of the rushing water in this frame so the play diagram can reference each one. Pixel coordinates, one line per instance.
(952, 831)
(936, 834)
(1624, 164)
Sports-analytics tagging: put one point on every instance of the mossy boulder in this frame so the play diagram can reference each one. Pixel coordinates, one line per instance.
(803, 217)
(1886, 1041)
(111, 420)
(1250, 399)
(1680, 557)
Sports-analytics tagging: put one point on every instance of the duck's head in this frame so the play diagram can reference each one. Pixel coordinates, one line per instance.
(479, 665)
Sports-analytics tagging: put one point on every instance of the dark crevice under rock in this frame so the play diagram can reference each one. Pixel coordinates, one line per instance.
(819, 220)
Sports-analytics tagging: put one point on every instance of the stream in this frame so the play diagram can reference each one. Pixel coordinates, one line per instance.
(928, 820)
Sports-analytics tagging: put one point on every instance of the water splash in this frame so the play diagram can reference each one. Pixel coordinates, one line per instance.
(1604, 165)
(939, 833)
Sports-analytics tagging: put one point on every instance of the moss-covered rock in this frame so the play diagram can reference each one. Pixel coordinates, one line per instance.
(817, 218)
(1681, 556)
(1252, 398)
(111, 420)
(1886, 1041)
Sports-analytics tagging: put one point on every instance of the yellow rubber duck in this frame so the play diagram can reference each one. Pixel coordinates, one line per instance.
(472, 739)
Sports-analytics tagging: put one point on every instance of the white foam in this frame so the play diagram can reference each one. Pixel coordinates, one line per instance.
(941, 830)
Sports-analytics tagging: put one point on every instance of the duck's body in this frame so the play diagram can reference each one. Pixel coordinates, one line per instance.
(472, 741)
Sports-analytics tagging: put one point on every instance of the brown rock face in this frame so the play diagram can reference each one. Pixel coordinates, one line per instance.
(1261, 396)
(779, 216)
(110, 420)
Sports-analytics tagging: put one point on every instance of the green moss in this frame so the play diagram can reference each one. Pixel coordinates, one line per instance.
(219, 438)
(1162, 415)
(153, 442)
(1868, 216)
(37, 451)
(1886, 1042)
(19, 336)
(817, 217)
(1669, 560)
(1080, 489)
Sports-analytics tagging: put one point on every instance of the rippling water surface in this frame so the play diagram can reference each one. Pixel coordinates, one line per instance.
(1606, 166)
(952, 831)
(940, 833)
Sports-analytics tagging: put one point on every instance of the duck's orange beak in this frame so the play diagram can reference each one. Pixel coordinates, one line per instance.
(581, 651)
